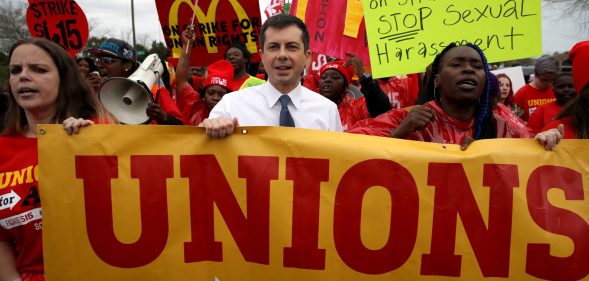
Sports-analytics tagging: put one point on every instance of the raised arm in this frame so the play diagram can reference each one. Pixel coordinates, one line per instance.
(182, 69)
(377, 101)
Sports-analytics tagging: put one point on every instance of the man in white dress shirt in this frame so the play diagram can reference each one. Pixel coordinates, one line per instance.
(285, 47)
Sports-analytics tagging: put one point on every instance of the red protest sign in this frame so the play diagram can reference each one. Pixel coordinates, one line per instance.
(217, 23)
(274, 7)
(335, 27)
(61, 21)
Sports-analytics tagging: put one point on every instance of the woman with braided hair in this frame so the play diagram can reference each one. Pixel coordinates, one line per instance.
(459, 108)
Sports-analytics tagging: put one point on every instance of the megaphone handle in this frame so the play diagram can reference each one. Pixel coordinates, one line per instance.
(147, 89)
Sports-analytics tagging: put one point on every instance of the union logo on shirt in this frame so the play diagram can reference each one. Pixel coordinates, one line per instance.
(24, 175)
(539, 102)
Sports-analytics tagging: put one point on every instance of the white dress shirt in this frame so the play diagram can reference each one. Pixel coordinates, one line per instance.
(259, 106)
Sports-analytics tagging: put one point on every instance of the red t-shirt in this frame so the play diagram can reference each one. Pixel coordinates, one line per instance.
(569, 128)
(543, 115)
(20, 204)
(236, 83)
(443, 129)
(528, 98)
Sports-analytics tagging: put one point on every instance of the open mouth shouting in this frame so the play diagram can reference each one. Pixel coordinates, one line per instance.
(26, 91)
(326, 88)
(467, 84)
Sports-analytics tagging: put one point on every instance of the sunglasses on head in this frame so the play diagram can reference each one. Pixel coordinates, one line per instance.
(106, 60)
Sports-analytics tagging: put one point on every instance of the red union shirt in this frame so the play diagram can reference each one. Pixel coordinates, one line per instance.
(20, 204)
(543, 115)
(529, 98)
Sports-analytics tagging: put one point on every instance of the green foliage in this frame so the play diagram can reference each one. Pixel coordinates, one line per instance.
(13, 26)
(160, 49)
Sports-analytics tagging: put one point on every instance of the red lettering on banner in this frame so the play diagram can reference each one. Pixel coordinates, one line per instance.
(454, 197)
(152, 172)
(404, 216)
(208, 186)
(307, 175)
(559, 221)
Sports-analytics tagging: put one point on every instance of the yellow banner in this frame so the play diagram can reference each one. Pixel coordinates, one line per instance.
(404, 36)
(270, 203)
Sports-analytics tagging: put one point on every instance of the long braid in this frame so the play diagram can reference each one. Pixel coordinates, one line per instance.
(484, 127)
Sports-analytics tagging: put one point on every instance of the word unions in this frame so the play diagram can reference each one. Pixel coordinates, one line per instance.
(217, 33)
(209, 188)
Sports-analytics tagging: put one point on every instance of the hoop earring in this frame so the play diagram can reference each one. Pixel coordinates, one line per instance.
(435, 93)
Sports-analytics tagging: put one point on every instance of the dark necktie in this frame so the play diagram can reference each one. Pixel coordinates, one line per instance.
(285, 117)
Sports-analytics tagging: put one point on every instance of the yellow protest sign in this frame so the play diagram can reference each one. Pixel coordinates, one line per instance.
(404, 36)
(168, 203)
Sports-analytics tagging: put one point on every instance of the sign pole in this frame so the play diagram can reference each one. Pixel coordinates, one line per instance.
(133, 22)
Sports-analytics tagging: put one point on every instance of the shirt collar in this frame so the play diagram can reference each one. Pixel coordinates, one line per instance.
(272, 95)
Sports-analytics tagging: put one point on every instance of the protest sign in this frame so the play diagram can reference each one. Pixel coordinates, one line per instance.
(272, 8)
(405, 35)
(275, 203)
(335, 27)
(61, 21)
(217, 24)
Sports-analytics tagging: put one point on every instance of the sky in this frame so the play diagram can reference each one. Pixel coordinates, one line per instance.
(112, 18)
